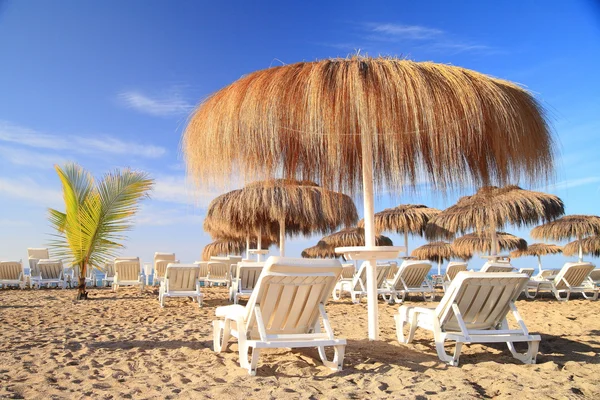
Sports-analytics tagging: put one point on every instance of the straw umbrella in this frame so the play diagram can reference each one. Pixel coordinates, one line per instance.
(435, 251)
(227, 246)
(589, 245)
(280, 207)
(405, 218)
(370, 122)
(569, 227)
(492, 208)
(468, 244)
(320, 250)
(538, 250)
(353, 237)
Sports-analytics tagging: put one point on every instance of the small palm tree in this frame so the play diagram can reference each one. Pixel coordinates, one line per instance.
(96, 216)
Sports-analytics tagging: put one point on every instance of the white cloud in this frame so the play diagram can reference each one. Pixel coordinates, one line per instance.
(100, 144)
(404, 31)
(178, 189)
(29, 190)
(571, 183)
(32, 159)
(171, 105)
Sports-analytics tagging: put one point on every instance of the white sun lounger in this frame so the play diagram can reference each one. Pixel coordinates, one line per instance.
(34, 255)
(473, 310)
(497, 266)
(595, 277)
(411, 277)
(358, 287)
(246, 278)
(283, 311)
(218, 273)
(128, 272)
(109, 274)
(161, 260)
(11, 273)
(572, 278)
(452, 270)
(180, 280)
(345, 281)
(51, 272)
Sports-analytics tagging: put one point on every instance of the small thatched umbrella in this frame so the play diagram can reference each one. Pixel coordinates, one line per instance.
(589, 245)
(277, 207)
(538, 250)
(370, 122)
(470, 243)
(569, 227)
(353, 237)
(492, 208)
(224, 247)
(320, 250)
(435, 251)
(405, 218)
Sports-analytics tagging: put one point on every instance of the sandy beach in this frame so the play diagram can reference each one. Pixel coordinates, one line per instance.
(123, 345)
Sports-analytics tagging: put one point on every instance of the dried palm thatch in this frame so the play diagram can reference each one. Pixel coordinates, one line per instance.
(434, 251)
(468, 244)
(538, 250)
(405, 218)
(569, 227)
(589, 245)
(303, 207)
(320, 250)
(310, 120)
(492, 208)
(225, 247)
(352, 237)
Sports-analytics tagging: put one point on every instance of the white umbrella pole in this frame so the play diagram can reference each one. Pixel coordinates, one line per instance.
(439, 265)
(282, 238)
(258, 243)
(248, 246)
(580, 249)
(369, 215)
(539, 264)
(406, 243)
(494, 249)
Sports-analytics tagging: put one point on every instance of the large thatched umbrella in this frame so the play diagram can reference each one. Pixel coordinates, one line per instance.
(280, 207)
(320, 250)
(435, 251)
(538, 250)
(354, 237)
(568, 227)
(405, 218)
(492, 208)
(470, 243)
(370, 122)
(589, 245)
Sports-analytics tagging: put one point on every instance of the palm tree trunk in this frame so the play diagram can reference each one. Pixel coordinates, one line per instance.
(81, 293)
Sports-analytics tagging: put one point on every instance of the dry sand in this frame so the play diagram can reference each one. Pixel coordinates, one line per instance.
(124, 345)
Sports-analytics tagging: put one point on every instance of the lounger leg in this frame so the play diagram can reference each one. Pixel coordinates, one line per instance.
(221, 334)
(251, 364)
(442, 355)
(594, 296)
(402, 319)
(529, 356)
(356, 297)
(558, 296)
(334, 294)
(199, 298)
(338, 357)
(399, 297)
(529, 295)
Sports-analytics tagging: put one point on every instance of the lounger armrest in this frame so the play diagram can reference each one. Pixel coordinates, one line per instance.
(231, 311)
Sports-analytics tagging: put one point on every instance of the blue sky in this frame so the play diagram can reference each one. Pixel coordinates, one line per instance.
(110, 84)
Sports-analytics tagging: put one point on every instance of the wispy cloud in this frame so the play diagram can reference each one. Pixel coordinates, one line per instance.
(172, 104)
(414, 32)
(177, 189)
(154, 216)
(571, 183)
(31, 159)
(29, 190)
(100, 144)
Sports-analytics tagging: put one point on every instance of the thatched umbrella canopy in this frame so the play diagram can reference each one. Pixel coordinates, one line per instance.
(538, 250)
(435, 251)
(232, 246)
(405, 218)
(589, 245)
(568, 227)
(468, 244)
(379, 122)
(320, 250)
(354, 237)
(492, 208)
(280, 207)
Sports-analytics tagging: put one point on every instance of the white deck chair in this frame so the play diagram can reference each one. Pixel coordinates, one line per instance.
(452, 270)
(246, 277)
(497, 266)
(11, 273)
(161, 260)
(572, 278)
(180, 280)
(203, 265)
(473, 310)
(218, 273)
(410, 278)
(90, 276)
(34, 255)
(527, 271)
(358, 287)
(283, 311)
(51, 272)
(128, 272)
(345, 281)
(595, 277)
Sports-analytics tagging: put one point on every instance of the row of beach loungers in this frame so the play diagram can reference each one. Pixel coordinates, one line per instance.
(287, 297)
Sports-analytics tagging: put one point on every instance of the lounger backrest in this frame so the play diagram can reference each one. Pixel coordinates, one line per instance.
(10, 270)
(595, 275)
(247, 274)
(109, 269)
(497, 267)
(33, 267)
(527, 271)
(483, 299)
(217, 270)
(127, 269)
(50, 269)
(573, 273)
(360, 279)
(413, 273)
(348, 271)
(453, 269)
(160, 267)
(39, 253)
(164, 256)
(203, 265)
(289, 292)
(182, 277)
(392, 270)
